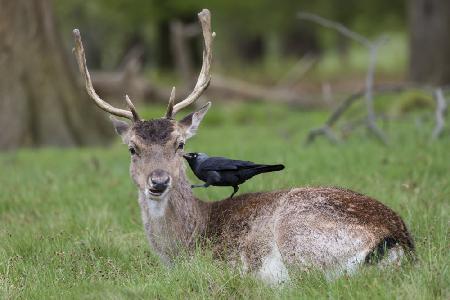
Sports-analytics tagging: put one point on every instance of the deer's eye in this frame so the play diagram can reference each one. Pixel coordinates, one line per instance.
(132, 150)
(181, 146)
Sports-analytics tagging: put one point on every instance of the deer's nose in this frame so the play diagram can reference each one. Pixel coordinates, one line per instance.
(159, 180)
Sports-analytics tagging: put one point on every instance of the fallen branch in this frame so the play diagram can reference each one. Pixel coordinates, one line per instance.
(251, 91)
(347, 103)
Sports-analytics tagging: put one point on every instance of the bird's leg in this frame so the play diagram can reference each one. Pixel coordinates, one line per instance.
(236, 188)
(199, 185)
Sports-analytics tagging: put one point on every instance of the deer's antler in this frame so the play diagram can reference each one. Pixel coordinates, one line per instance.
(81, 60)
(204, 77)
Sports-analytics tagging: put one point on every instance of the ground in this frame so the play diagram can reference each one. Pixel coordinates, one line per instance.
(70, 225)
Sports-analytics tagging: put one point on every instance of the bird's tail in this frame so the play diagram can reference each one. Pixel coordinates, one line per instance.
(268, 168)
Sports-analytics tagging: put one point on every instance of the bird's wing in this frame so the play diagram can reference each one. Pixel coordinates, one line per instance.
(224, 164)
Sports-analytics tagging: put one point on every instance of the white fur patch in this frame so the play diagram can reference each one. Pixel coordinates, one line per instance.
(337, 252)
(394, 256)
(353, 263)
(244, 266)
(348, 267)
(273, 270)
(157, 208)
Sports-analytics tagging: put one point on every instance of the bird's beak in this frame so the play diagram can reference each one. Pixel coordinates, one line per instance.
(187, 155)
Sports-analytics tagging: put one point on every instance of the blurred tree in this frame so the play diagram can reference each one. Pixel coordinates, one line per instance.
(429, 41)
(41, 102)
(251, 31)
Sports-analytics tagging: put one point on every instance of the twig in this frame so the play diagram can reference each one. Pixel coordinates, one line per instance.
(441, 108)
(335, 115)
(336, 26)
(324, 130)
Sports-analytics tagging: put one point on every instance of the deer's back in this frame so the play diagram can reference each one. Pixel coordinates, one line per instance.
(310, 227)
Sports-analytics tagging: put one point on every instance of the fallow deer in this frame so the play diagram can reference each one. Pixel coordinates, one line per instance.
(327, 228)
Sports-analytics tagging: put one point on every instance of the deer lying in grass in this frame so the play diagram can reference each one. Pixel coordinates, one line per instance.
(332, 229)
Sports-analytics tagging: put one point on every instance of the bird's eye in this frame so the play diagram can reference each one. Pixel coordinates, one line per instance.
(181, 146)
(132, 150)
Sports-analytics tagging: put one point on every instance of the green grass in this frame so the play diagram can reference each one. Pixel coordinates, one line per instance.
(70, 225)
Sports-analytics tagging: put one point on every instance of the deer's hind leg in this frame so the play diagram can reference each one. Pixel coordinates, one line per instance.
(261, 255)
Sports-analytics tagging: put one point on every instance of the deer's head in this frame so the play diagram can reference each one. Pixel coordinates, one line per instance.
(156, 146)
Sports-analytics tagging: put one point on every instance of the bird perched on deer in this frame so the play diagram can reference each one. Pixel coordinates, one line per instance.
(221, 171)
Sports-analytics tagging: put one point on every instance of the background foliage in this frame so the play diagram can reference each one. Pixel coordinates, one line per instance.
(111, 23)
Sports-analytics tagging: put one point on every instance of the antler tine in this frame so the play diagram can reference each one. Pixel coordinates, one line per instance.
(81, 60)
(204, 77)
(132, 109)
(169, 113)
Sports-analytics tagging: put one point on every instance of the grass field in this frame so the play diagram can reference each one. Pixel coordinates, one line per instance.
(70, 225)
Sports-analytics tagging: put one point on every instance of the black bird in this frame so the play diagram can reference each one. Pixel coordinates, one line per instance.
(221, 171)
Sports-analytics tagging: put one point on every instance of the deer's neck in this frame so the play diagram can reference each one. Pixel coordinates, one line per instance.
(175, 221)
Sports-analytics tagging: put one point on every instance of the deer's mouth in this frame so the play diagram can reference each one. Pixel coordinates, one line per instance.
(156, 192)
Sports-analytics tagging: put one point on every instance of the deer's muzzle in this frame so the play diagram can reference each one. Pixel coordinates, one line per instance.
(158, 181)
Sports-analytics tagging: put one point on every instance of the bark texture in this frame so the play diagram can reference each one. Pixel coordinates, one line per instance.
(429, 41)
(42, 102)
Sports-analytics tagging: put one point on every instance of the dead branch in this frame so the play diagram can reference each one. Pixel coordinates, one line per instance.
(351, 125)
(324, 130)
(347, 103)
(371, 117)
(334, 117)
(441, 109)
(372, 47)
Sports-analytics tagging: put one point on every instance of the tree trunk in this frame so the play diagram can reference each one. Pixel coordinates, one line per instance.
(42, 102)
(429, 41)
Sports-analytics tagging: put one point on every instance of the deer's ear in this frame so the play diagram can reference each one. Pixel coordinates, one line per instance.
(121, 128)
(191, 122)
